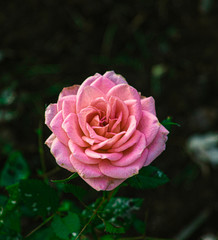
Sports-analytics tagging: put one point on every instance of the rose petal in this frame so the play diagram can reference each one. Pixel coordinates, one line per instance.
(109, 142)
(124, 172)
(148, 104)
(149, 126)
(134, 139)
(69, 91)
(85, 97)
(103, 106)
(62, 155)
(131, 127)
(110, 156)
(50, 113)
(90, 141)
(50, 140)
(86, 115)
(79, 153)
(73, 130)
(135, 109)
(88, 82)
(103, 83)
(132, 154)
(116, 78)
(118, 106)
(157, 146)
(103, 183)
(56, 127)
(69, 106)
(85, 170)
(93, 134)
(100, 130)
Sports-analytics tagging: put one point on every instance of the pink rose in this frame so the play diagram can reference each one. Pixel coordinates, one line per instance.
(104, 130)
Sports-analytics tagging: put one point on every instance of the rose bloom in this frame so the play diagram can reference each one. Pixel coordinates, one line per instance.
(104, 130)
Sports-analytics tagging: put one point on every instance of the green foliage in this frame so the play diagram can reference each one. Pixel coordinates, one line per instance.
(109, 227)
(66, 226)
(167, 123)
(38, 197)
(114, 216)
(76, 190)
(148, 177)
(14, 170)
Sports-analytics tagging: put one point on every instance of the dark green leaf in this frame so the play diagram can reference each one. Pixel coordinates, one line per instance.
(66, 226)
(107, 237)
(139, 226)
(148, 177)
(113, 228)
(14, 170)
(39, 197)
(167, 123)
(76, 190)
(44, 234)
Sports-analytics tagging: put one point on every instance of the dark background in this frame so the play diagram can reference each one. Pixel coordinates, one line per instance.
(164, 48)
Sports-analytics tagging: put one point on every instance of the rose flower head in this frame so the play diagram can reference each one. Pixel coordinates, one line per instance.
(104, 130)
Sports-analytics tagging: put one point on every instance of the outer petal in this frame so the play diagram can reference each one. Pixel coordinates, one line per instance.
(88, 82)
(79, 153)
(56, 127)
(103, 83)
(132, 154)
(62, 155)
(149, 126)
(69, 106)
(148, 104)
(104, 183)
(85, 170)
(70, 98)
(123, 172)
(50, 140)
(69, 91)
(50, 113)
(73, 130)
(157, 146)
(116, 78)
(85, 97)
(124, 92)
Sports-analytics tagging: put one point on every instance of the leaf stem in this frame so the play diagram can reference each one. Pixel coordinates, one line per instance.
(39, 226)
(93, 215)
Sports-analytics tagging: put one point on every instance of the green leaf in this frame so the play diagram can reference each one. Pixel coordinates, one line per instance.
(14, 170)
(66, 226)
(14, 197)
(148, 177)
(74, 175)
(39, 197)
(118, 212)
(113, 228)
(76, 190)
(139, 226)
(167, 123)
(44, 234)
(68, 205)
(107, 237)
